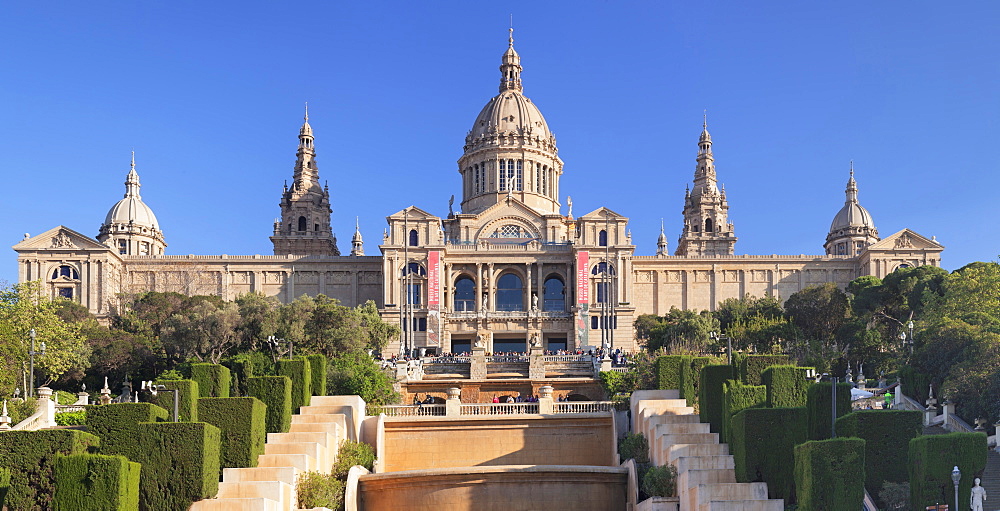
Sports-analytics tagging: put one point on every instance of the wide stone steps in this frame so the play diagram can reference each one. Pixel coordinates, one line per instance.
(991, 478)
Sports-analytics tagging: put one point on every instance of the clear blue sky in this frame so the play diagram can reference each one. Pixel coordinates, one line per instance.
(210, 94)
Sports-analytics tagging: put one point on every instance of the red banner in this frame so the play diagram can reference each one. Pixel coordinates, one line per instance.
(583, 277)
(433, 280)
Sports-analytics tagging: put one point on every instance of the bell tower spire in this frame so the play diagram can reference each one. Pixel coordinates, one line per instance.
(357, 244)
(707, 230)
(304, 228)
(510, 67)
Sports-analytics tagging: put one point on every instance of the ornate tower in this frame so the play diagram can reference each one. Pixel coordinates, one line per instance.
(661, 242)
(131, 227)
(304, 228)
(853, 228)
(357, 244)
(707, 231)
(510, 151)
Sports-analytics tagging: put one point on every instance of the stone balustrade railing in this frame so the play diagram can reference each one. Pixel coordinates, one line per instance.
(427, 410)
(499, 408)
(584, 406)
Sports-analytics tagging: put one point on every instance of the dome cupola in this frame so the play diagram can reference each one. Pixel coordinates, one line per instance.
(130, 225)
(852, 228)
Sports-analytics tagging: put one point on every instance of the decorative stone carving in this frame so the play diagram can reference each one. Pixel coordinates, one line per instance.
(62, 240)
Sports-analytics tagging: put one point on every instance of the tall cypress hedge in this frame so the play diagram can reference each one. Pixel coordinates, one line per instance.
(753, 366)
(31, 458)
(241, 421)
(213, 379)
(668, 371)
(317, 367)
(276, 393)
(118, 425)
(300, 372)
(713, 378)
(247, 365)
(691, 378)
(818, 403)
(763, 446)
(180, 464)
(735, 397)
(932, 458)
(887, 434)
(786, 386)
(94, 482)
(830, 474)
(189, 394)
(4, 484)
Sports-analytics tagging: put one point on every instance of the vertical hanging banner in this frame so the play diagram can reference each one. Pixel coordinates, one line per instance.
(582, 298)
(433, 297)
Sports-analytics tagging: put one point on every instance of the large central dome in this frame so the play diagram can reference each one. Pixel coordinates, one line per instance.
(510, 151)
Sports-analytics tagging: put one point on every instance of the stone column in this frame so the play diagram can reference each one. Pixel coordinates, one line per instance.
(46, 406)
(479, 286)
(477, 369)
(545, 405)
(949, 410)
(536, 364)
(4, 418)
(453, 406)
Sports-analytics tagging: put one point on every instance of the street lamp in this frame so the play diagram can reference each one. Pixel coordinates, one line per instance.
(956, 476)
(729, 344)
(31, 356)
(273, 342)
(154, 389)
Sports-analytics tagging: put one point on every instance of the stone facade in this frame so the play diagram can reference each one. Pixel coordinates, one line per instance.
(506, 271)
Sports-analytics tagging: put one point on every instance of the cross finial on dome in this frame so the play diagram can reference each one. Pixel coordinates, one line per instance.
(306, 116)
(852, 168)
(704, 119)
(510, 39)
(133, 159)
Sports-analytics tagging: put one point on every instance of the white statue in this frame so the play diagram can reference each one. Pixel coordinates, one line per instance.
(534, 301)
(977, 497)
(535, 341)
(479, 341)
(569, 205)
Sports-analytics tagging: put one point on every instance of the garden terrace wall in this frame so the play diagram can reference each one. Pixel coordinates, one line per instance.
(31, 458)
(830, 474)
(94, 482)
(932, 458)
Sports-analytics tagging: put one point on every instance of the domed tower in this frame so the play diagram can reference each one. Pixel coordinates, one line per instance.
(304, 228)
(131, 227)
(853, 228)
(707, 231)
(510, 150)
(357, 244)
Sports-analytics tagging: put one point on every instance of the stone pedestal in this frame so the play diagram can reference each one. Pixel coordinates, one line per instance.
(536, 363)
(605, 363)
(453, 406)
(477, 369)
(4, 418)
(401, 374)
(545, 405)
(82, 398)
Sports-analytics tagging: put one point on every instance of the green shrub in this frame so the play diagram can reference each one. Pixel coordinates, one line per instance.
(634, 446)
(64, 398)
(300, 372)
(241, 421)
(612, 382)
(660, 481)
(691, 378)
(668, 371)
(317, 368)
(20, 410)
(94, 482)
(189, 394)
(71, 418)
(735, 397)
(31, 458)
(180, 464)
(352, 453)
(213, 379)
(118, 425)
(4, 485)
(753, 366)
(915, 384)
(247, 365)
(356, 373)
(830, 474)
(819, 405)
(276, 393)
(713, 379)
(887, 434)
(763, 444)
(895, 496)
(931, 459)
(319, 490)
(787, 386)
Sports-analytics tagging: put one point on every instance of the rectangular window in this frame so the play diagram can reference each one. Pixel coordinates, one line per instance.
(545, 181)
(502, 171)
(603, 292)
(414, 294)
(520, 176)
(123, 246)
(65, 292)
(475, 179)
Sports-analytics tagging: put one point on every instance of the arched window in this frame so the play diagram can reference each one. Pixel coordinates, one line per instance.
(65, 271)
(302, 223)
(510, 293)
(602, 238)
(415, 269)
(465, 294)
(708, 225)
(554, 295)
(601, 267)
(413, 238)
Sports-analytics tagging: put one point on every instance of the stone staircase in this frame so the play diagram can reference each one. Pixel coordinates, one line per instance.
(706, 479)
(991, 479)
(311, 443)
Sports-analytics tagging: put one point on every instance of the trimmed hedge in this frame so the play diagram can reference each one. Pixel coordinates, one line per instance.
(713, 378)
(763, 447)
(31, 458)
(830, 474)
(241, 421)
(753, 366)
(4, 484)
(888, 434)
(213, 379)
(317, 367)
(932, 458)
(189, 394)
(181, 464)
(691, 378)
(818, 403)
(94, 482)
(915, 384)
(668, 371)
(276, 393)
(247, 365)
(786, 386)
(300, 372)
(735, 397)
(118, 425)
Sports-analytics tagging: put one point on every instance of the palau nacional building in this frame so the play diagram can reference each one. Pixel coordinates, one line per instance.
(509, 270)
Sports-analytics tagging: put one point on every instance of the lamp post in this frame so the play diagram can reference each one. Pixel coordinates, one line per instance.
(956, 476)
(833, 406)
(154, 389)
(729, 345)
(31, 357)
(274, 342)
(910, 325)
